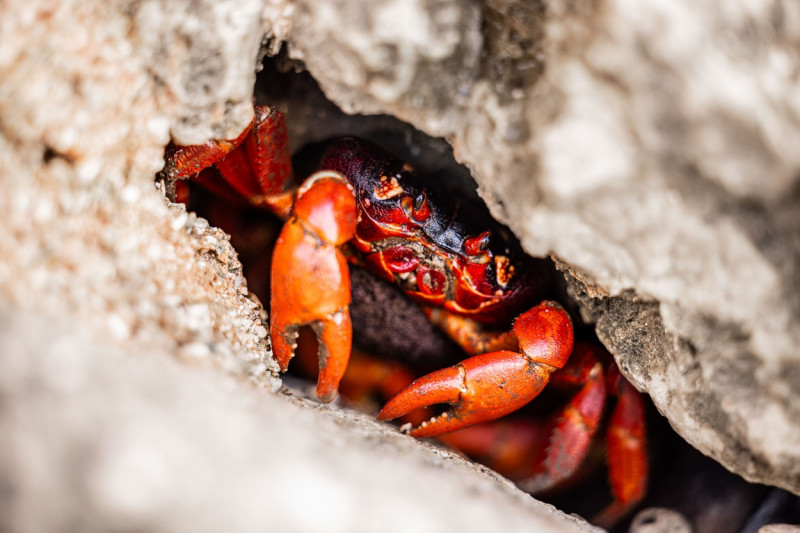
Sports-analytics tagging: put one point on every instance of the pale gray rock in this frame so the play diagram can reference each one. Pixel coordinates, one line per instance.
(97, 438)
(84, 118)
(658, 520)
(413, 59)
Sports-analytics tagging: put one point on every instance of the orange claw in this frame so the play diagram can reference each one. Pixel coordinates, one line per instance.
(323, 218)
(488, 386)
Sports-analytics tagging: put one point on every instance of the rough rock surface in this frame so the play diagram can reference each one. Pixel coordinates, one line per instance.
(97, 440)
(83, 123)
(652, 148)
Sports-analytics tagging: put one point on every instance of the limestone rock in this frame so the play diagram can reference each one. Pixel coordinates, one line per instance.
(96, 438)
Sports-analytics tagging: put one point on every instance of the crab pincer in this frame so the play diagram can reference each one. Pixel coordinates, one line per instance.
(488, 386)
(310, 279)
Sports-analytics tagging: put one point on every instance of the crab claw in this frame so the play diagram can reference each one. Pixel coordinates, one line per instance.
(488, 386)
(310, 279)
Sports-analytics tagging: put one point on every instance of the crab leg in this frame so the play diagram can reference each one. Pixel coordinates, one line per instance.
(574, 427)
(508, 447)
(626, 441)
(310, 279)
(255, 166)
(188, 161)
(469, 334)
(488, 386)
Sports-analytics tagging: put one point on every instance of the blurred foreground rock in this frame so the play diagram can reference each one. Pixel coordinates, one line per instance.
(99, 439)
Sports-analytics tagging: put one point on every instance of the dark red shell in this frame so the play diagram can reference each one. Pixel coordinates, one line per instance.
(434, 246)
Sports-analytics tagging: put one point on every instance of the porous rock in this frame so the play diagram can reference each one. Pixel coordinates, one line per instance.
(86, 106)
(97, 440)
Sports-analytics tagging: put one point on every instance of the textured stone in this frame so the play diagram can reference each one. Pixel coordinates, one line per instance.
(104, 439)
(655, 520)
(85, 116)
(414, 59)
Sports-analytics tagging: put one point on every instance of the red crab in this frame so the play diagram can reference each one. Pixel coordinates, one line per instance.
(466, 272)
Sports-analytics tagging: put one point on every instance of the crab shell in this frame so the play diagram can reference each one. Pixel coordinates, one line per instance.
(442, 251)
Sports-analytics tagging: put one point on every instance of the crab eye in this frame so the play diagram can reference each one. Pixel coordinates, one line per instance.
(421, 210)
(478, 244)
